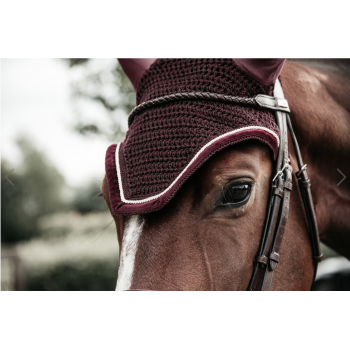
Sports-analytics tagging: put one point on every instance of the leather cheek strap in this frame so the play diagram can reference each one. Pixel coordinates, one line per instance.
(281, 223)
(267, 258)
(305, 191)
(277, 212)
(278, 191)
(304, 184)
(274, 256)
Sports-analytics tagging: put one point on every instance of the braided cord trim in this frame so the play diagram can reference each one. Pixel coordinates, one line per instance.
(191, 96)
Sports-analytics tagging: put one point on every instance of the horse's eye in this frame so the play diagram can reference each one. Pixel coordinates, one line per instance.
(237, 194)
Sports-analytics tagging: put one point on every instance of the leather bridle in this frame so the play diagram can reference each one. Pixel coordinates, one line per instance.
(268, 256)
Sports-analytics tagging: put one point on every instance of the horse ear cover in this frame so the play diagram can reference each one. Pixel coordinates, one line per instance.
(167, 143)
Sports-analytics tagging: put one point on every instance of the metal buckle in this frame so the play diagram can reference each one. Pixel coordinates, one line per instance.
(301, 170)
(280, 173)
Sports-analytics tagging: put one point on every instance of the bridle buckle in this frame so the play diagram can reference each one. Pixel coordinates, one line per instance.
(280, 173)
(301, 170)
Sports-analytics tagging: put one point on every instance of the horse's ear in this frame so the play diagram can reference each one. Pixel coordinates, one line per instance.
(135, 68)
(265, 71)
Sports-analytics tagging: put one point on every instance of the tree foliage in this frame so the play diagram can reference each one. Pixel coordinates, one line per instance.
(102, 85)
(37, 191)
(89, 199)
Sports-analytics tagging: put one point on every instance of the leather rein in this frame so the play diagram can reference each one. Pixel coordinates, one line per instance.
(268, 255)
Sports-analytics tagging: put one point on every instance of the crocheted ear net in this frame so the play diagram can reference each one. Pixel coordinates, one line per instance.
(166, 144)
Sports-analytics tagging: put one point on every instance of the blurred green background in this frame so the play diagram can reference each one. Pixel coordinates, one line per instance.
(55, 236)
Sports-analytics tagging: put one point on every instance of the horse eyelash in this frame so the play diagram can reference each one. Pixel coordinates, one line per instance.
(223, 193)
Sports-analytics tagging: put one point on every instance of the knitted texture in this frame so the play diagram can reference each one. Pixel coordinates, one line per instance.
(222, 76)
(162, 140)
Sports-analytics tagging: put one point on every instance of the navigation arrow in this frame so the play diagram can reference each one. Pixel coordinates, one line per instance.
(8, 175)
(342, 179)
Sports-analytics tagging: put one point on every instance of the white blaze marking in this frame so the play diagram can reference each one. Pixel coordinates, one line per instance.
(131, 237)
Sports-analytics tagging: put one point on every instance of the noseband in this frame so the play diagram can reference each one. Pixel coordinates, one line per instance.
(268, 256)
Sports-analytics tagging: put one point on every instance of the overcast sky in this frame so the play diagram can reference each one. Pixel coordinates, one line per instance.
(35, 102)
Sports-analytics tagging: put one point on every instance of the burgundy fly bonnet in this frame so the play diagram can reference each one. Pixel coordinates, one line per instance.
(167, 143)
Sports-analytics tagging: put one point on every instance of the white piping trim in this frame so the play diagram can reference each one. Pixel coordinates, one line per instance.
(188, 165)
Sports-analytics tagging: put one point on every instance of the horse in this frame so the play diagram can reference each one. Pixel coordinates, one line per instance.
(194, 243)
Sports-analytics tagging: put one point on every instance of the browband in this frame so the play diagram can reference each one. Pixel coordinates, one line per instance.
(262, 101)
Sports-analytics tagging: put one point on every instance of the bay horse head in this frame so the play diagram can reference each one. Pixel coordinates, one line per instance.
(190, 187)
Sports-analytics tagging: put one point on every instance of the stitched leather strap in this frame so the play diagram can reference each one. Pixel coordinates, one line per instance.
(304, 186)
(278, 192)
(276, 243)
(277, 214)
(262, 275)
(288, 185)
